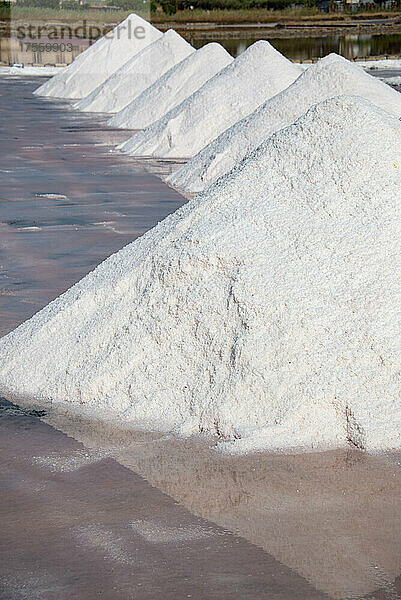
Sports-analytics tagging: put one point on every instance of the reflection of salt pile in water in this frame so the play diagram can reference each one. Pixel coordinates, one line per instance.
(141, 71)
(266, 309)
(331, 76)
(100, 60)
(350, 496)
(270, 498)
(257, 74)
(173, 88)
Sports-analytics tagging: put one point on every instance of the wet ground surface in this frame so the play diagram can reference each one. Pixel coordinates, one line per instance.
(386, 74)
(89, 511)
(66, 202)
(77, 525)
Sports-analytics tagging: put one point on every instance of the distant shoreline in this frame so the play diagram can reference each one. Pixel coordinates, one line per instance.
(277, 25)
(288, 30)
(200, 31)
(287, 22)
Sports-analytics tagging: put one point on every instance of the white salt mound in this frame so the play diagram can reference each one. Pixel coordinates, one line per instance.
(141, 71)
(330, 76)
(100, 60)
(173, 87)
(257, 74)
(266, 310)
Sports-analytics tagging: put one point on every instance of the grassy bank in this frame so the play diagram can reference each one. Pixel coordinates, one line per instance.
(265, 16)
(49, 15)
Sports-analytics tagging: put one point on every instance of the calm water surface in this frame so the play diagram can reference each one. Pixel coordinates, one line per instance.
(66, 202)
(304, 48)
(350, 45)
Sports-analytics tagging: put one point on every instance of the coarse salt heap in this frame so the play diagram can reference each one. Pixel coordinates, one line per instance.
(257, 74)
(266, 310)
(99, 61)
(141, 71)
(331, 76)
(173, 87)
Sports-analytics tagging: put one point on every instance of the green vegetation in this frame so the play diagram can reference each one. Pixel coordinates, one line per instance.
(266, 16)
(5, 11)
(181, 8)
(174, 6)
(49, 11)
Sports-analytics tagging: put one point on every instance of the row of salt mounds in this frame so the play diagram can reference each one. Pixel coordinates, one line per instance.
(267, 308)
(173, 88)
(100, 60)
(141, 71)
(331, 76)
(257, 74)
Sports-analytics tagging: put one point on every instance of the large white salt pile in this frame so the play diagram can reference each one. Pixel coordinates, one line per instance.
(100, 60)
(331, 76)
(257, 74)
(267, 308)
(141, 71)
(173, 88)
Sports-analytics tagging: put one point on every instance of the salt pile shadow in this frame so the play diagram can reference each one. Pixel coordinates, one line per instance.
(76, 524)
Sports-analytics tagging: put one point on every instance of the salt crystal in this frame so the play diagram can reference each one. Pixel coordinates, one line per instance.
(330, 76)
(99, 61)
(141, 71)
(257, 74)
(266, 310)
(173, 87)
